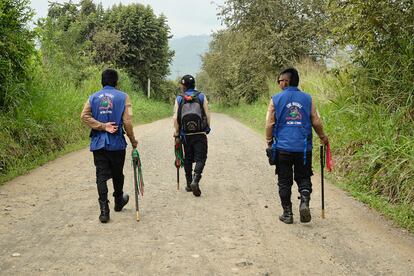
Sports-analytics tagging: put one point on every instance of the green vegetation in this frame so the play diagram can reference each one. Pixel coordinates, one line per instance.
(130, 37)
(262, 37)
(42, 91)
(16, 52)
(365, 98)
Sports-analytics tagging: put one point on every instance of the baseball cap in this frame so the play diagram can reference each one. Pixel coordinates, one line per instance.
(188, 81)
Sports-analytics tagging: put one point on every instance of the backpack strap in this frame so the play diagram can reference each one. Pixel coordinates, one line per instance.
(180, 102)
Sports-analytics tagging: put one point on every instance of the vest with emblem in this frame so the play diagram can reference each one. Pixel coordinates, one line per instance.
(292, 131)
(108, 105)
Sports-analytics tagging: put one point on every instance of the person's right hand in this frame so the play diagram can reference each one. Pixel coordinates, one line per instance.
(134, 144)
(324, 139)
(111, 127)
(177, 140)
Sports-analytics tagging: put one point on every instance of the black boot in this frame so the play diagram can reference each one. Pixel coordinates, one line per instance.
(195, 185)
(104, 216)
(120, 202)
(304, 211)
(287, 216)
(189, 180)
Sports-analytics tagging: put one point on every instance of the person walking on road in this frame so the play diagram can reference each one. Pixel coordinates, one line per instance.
(191, 125)
(108, 113)
(291, 114)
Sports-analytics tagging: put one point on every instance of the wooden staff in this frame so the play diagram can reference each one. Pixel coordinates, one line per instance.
(135, 163)
(322, 157)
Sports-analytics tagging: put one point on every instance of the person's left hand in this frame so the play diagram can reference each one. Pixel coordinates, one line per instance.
(111, 127)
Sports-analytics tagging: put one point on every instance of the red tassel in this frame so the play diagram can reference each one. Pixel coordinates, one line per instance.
(329, 161)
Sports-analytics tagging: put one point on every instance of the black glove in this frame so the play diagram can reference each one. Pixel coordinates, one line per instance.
(269, 154)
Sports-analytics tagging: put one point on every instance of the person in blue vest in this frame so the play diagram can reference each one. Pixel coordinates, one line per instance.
(108, 113)
(290, 117)
(191, 125)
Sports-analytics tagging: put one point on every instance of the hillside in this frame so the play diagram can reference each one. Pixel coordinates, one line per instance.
(188, 51)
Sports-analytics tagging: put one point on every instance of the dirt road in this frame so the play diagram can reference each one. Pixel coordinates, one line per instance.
(49, 220)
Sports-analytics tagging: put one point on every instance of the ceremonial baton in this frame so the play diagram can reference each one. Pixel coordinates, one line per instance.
(322, 157)
(138, 179)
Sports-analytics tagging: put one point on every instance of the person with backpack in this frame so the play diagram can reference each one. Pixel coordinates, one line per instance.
(108, 113)
(191, 125)
(291, 114)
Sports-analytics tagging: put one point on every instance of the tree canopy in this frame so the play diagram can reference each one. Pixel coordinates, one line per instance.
(130, 37)
(264, 36)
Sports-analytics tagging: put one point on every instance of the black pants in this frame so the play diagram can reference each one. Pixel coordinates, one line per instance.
(195, 150)
(109, 164)
(290, 166)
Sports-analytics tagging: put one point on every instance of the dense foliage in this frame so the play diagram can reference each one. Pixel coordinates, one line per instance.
(381, 37)
(16, 51)
(262, 37)
(131, 37)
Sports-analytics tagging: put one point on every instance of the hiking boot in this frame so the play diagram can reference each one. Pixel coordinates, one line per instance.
(104, 216)
(189, 180)
(120, 202)
(287, 216)
(195, 185)
(304, 211)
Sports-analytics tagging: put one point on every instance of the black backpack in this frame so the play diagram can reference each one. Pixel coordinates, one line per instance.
(191, 114)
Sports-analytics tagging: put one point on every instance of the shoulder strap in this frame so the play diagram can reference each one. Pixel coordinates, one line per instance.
(180, 101)
(200, 97)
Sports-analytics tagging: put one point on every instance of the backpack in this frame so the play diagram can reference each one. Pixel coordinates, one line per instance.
(192, 118)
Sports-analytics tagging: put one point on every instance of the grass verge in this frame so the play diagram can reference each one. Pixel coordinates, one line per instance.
(47, 125)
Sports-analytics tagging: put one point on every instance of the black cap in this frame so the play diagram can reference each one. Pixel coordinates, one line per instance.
(188, 81)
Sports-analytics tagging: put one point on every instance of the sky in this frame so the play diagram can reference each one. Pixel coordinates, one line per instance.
(185, 17)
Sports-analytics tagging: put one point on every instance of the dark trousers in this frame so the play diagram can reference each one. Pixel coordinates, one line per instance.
(290, 166)
(109, 164)
(195, 150)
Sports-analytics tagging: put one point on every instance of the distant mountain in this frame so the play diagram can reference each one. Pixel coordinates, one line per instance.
(188, 51)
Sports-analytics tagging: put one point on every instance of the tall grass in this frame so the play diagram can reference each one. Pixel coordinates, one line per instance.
(373, 148)
(47, 124)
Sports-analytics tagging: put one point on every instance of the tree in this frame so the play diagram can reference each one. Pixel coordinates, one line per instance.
(261, 38)
(146, 38)
(16, 51)
(107, 47)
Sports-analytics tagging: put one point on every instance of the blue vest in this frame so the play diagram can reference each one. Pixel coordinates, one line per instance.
(292, 131)
(108, 105)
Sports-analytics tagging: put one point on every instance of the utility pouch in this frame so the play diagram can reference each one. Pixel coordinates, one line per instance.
(272, 156)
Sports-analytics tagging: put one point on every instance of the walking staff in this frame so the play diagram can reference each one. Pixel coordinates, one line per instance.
(326, 160)
(322, 157)
(138, 179)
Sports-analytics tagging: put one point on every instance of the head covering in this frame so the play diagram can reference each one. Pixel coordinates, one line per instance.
(188, 81)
